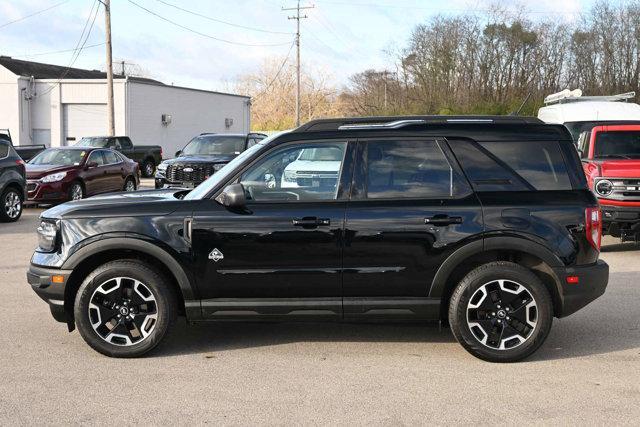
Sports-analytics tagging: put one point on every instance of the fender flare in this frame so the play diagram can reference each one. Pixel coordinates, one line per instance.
(136, 244)
(520, 244)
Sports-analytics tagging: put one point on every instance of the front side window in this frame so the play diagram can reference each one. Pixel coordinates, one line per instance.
(97, 157)
(617, 145)
(300, 172)
(407, 169)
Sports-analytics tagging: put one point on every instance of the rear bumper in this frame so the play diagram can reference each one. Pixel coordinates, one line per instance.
(40, 280)
(593, 280)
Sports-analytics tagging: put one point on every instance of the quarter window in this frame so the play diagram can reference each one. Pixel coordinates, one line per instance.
(4, 150)
(299, 173)
(408, 169)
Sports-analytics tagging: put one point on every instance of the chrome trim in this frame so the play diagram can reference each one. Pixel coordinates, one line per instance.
(390, 125)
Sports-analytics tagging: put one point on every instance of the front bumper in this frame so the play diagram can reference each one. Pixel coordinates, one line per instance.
(51, 192)
(593, 280)
(41, 281)
(620, 219)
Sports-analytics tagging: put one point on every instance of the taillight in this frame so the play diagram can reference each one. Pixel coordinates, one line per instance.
(594, 226)
(21, 163)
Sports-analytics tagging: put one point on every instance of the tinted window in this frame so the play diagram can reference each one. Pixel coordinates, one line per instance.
(111, 157)
(125, 143)
(407, 169)
(624, 145)
(4, 150)
(513, 165)
(301, 172)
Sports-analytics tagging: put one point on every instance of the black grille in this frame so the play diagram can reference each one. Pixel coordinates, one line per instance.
(198, 173)
(31, 187)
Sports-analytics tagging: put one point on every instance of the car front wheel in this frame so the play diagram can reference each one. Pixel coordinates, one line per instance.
(501, 312)
(11, 207)
(124, 308)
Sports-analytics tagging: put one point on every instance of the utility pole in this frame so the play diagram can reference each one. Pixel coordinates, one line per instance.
(111, 129)
(297, 17)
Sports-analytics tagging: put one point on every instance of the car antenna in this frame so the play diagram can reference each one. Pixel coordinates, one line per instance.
(517, 112)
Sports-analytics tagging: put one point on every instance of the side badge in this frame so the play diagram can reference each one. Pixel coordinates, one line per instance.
(216, 255)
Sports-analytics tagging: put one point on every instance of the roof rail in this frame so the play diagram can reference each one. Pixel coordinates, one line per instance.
(382, 123)
(567, 96)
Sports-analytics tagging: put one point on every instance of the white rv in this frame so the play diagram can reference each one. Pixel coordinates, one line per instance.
(581, 113)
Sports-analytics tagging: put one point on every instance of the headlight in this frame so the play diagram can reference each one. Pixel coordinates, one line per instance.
(290, 176)
(604, 187)
(162, 166)
(54, 177)
(47, 235)
(161, 170)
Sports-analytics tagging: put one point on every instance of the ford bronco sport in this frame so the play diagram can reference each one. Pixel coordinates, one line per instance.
(611, 160)
(486, 223)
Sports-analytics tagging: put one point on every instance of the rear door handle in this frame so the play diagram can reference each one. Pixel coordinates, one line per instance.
(311, 222)
(442, 220)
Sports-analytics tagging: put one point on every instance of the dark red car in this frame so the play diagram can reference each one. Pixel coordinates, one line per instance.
(72, 173)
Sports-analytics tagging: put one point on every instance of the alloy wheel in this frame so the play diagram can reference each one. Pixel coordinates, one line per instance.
(502, 314)
(12, 204)
(123, 311)
(76, 192)
(148, 169)
(129, 186)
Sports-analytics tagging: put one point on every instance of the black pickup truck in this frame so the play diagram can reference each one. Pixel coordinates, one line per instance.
(147, 156)
(26, 152)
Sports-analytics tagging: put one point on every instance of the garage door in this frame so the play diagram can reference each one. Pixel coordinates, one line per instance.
(83, 120)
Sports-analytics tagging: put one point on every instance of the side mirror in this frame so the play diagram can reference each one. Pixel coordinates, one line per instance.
(178, 153)
(91, 165)
(232, 196)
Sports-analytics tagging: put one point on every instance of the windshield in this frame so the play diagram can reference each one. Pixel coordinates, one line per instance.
(228, 170)
(621, 144)
(59, 157)
(92, 142)
(214, 145)
(576, 128)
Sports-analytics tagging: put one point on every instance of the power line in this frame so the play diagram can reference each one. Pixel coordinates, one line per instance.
(33, 14)
(221, 21)
(203, 34)
(55, 51)
(79, 45)
(286, 59)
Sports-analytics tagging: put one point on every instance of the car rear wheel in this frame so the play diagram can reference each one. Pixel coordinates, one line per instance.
(76, 191)
(501, 312)
(129, 185)
(11, 200)
(148, 168)
(124, 308)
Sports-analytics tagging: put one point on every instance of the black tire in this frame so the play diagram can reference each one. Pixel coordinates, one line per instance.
(486, 276)
(158, 288)
(75, 189)
(148, 168)
(127, 182)
(11, 205)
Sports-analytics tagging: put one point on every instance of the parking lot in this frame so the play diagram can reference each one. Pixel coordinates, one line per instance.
(587, 371)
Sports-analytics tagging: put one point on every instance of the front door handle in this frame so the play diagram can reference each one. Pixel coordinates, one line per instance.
(311, 222)
(442, 220)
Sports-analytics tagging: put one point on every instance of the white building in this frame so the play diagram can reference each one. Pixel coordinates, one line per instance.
(56, 106)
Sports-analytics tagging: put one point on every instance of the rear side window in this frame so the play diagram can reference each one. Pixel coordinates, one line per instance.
(408, 169)
(513, 165)
(4, 150)
(111, 157)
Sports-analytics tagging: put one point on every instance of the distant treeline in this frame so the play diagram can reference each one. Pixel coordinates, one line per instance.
(480, 65)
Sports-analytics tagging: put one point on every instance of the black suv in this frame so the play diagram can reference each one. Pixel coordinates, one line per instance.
(203, 156)
(13, 183)
(482, 222)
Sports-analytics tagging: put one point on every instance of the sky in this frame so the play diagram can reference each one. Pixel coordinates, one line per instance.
(338, 37)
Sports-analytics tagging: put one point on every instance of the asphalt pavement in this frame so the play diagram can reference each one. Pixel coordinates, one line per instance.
(587, 372)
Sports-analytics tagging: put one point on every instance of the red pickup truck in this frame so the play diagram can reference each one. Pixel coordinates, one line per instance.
(611, 160)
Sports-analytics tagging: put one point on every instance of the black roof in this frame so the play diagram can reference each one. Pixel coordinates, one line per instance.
(38, 70)
(479, 128)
